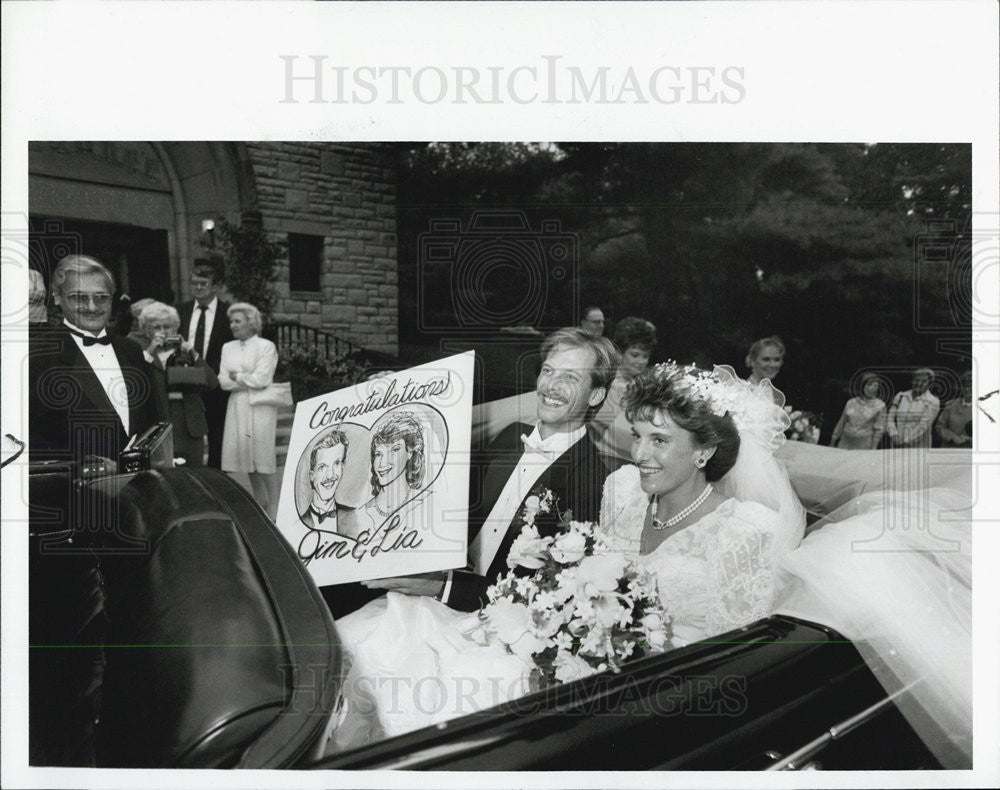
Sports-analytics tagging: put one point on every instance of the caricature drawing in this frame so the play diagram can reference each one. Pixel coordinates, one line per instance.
(326, 468)
(398, 466)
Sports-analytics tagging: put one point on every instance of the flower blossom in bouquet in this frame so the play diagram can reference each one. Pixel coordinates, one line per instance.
(805, 425)
(571, 605)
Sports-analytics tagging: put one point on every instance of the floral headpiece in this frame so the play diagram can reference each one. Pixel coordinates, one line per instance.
(753, 409)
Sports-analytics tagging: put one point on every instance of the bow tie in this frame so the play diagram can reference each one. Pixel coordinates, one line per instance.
(537, 446)
(321, 517)
(88, 340)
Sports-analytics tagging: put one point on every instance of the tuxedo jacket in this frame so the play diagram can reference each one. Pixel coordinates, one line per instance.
(347, 523)
(69, 413)
(221, 333)
(576, 478)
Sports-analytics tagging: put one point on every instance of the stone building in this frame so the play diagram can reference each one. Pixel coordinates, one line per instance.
(148, 209)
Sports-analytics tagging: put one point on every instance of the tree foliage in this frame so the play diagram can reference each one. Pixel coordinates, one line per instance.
(719, 244)
(250, 261)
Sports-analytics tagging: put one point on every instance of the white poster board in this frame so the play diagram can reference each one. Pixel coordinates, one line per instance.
(377, 478)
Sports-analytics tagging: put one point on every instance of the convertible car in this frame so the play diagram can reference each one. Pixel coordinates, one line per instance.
(172, 626)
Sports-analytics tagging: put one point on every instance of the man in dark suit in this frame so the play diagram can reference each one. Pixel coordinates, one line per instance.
(556, 454)
(326, 467)
(205, 324)
(89, 390)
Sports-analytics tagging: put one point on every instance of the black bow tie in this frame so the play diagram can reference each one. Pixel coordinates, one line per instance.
(321, 517)
(89, 340)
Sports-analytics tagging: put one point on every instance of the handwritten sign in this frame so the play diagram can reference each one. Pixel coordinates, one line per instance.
(377, 477)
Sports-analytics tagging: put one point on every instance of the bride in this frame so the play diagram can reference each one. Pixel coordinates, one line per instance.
(705, 506)
(711, 513)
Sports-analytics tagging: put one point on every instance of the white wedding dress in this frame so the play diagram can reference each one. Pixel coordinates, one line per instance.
(714, 575)
(891, 571)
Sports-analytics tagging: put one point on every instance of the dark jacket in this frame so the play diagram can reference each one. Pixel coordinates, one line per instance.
(69, 413)
(576, 478)
(221, 333)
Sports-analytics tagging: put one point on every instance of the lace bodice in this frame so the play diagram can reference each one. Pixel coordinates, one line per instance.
(714, 575)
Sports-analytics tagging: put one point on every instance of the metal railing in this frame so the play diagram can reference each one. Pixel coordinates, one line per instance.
(286, 333)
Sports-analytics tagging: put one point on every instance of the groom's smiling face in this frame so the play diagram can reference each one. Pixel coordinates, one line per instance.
(565, 389)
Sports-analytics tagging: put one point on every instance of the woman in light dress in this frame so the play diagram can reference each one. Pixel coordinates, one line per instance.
(954, 424)
(248, 364)
(704, 506)
(891, 569)
(862, 424)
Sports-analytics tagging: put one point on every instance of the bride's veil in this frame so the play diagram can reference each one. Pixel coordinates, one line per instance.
(891, 569)
(757, 476)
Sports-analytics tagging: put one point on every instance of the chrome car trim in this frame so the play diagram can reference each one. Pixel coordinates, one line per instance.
(796, 760)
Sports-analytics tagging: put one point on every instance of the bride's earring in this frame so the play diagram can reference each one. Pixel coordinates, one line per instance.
(700, 462)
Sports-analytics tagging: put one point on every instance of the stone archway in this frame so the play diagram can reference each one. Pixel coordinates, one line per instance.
(139, 205)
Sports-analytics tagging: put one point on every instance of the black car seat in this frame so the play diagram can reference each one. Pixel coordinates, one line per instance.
(220, 651)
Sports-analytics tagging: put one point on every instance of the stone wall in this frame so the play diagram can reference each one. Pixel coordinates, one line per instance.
(347, 194)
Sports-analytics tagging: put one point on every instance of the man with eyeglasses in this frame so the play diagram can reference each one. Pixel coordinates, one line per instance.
(89, 390)
(204, 323)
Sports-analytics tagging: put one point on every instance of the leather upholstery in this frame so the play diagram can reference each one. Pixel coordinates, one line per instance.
(221, 652)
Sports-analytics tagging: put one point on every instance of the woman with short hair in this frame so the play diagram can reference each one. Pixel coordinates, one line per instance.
(247, 366)
(635, 339)
(765, 358)
(166, 352)
(862, 424)
(704, 505)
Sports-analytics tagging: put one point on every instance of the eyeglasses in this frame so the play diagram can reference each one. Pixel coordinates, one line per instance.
(81, 299)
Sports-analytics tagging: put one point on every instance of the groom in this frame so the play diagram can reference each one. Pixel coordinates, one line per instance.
(556, 454)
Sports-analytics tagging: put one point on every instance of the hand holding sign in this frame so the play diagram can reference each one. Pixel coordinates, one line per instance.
(429, 584)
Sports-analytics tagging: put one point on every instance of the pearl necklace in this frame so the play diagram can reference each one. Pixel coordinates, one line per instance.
(382, 512)
(683, 514)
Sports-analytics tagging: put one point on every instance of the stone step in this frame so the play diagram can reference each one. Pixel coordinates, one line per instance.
(282, 435)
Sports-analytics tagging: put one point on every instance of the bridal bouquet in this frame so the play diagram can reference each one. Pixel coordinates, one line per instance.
(805, 426)
(583, 609)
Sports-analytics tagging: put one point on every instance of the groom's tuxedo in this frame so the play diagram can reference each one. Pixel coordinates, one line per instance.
(576, 477)
(345, 521)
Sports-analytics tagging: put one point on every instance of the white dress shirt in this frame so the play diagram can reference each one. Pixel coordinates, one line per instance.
(104, 362)
(210, 311)
(538, 456)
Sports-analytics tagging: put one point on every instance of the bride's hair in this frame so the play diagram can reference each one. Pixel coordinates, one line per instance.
(402, 425)
(668, 391)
